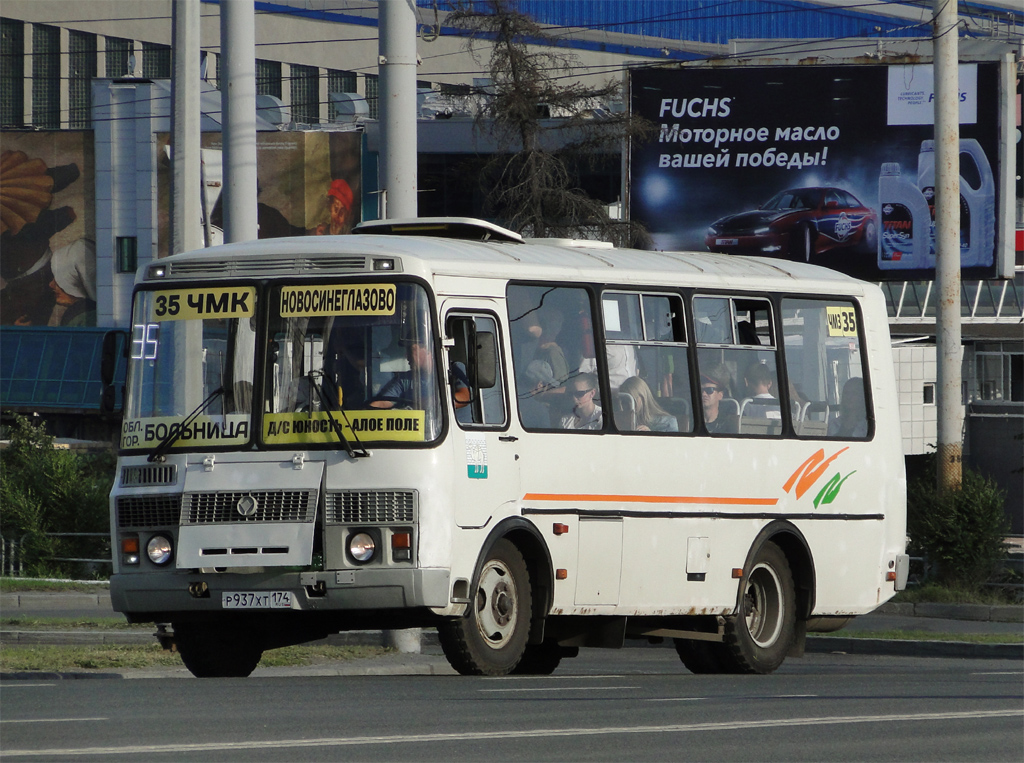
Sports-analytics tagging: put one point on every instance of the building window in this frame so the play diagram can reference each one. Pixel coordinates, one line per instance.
(127, 254)
(45, 76)
(338, 82)
(268, 77)
(82, 46)
(373, 95)
(156, 61)
(12, 73)
(118, 51)
(305, 94)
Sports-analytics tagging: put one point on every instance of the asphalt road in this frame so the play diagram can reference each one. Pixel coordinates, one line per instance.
(631, 704)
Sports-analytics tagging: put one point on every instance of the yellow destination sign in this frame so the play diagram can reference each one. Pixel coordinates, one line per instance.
(212, 302)
(842, 321)
(366, 426)
(336, 299)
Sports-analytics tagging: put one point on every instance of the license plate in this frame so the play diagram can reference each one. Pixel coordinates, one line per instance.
(256, 600)
(726, 241)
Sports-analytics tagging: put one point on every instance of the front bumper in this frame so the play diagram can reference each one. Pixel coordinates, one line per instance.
(139, 595)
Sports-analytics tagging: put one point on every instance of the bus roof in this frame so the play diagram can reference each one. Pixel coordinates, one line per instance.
(432, 255)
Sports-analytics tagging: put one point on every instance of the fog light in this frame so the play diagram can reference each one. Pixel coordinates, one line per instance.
(159, 549)
(130, 550)
(361, 547)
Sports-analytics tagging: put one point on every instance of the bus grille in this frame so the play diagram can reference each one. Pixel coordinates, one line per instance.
(148, 510)
(145, 476)
(270, 506)
(371, 507)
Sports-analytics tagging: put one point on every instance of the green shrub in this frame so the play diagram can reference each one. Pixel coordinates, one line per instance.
(960, 532)
(44, 490)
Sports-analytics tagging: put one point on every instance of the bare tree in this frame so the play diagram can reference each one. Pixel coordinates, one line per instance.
(531, 183)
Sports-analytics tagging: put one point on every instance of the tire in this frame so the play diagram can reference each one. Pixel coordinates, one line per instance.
(871, 238)
(703, 657)
(760, 635)
(490, 639)
(802, 244)
(214, 652)
(540, 659)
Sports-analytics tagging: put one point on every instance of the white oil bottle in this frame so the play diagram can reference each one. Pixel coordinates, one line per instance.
(903, 243)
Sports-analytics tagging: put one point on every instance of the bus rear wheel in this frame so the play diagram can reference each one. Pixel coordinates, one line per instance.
(216, 652)
(760, 635)
(490, 639)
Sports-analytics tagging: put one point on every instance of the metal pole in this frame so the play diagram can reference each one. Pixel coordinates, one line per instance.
(185, 178)
(397, 46)
(238, 125)
(947, 245)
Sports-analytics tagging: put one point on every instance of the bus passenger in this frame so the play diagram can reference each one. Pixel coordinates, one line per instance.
(586, 414)
(714, 384)
(648, 416)
(548, 350)
(760, 380)
(413, 388)
(852, 420)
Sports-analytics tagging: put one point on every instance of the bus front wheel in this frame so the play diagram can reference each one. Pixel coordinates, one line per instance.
(489, 640)
(213, 652)
(760, 635)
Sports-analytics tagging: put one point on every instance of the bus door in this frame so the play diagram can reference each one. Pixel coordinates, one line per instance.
(486, 470)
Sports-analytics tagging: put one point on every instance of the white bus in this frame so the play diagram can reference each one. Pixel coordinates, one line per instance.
(532, 446)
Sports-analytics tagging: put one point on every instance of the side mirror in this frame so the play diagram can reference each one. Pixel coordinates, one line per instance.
(486, 360)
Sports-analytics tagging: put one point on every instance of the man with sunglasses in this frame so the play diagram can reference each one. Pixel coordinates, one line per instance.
(714, 385)
(586, 413)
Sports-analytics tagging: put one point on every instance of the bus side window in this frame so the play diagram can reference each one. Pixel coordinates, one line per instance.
(825, 369)
(738, 366)
(474, 371)
(648, 367)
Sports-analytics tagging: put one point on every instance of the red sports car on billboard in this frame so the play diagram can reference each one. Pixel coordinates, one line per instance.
(798, 224)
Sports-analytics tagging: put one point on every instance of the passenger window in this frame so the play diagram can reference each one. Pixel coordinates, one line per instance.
(824, 365)
(552, 336)
(738, 366)
(648, 366)
(474, 371)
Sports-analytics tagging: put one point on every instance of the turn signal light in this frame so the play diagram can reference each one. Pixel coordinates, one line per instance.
(130, 549)
(401, 547)
(891, 576)
(559, 529)
(561, 574)
(737, 572)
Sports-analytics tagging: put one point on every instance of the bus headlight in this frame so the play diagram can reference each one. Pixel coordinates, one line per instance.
(361, 547)
(159, 549)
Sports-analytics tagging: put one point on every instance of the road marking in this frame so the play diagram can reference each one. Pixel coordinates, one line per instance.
(562, 688)
(1001, 673)
(51, 720)
(20, 685)
(471, 736)
(677, 699)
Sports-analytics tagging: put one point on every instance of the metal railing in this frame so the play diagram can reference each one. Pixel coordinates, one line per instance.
(12, 556)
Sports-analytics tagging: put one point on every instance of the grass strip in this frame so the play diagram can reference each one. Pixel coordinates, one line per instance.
(71, 623)
(901, 635)
(25, 585)
(115, 656)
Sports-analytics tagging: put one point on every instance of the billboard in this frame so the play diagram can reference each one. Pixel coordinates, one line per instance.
(47, 229)
(832, 165)
(308, 183)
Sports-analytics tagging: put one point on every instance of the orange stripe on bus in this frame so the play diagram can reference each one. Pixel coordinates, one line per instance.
(573, 497)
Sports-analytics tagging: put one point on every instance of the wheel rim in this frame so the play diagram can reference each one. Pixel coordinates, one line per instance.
(763, 606)
(496, 605)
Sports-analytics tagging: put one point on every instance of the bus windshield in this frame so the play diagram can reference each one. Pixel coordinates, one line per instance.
(191, 346)
(357, 356)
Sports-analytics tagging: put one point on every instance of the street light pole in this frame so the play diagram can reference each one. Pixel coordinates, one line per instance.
(947, 245)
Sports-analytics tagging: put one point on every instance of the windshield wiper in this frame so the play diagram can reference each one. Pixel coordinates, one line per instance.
(173, 434)
(361, 452)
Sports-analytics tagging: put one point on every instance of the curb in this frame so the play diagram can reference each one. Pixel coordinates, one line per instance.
(1004, 613)
(909, 648)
